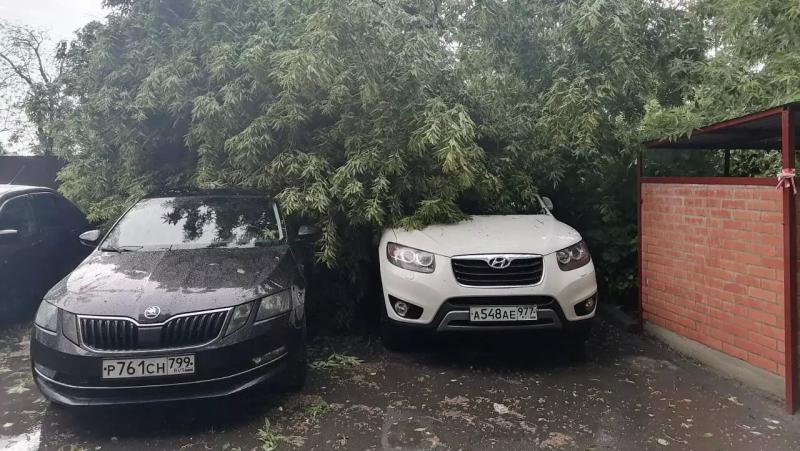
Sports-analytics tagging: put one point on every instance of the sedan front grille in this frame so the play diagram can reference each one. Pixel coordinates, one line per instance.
(476, 272)
(192, 330)
(122, 334)
(109, 334)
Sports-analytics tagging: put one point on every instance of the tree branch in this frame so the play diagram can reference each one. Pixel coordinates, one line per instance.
(17, 70)
(35, 39)
(437, 18)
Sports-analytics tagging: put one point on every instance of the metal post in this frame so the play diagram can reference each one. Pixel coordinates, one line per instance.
(726, 170)
(789, 262)
(640, 279)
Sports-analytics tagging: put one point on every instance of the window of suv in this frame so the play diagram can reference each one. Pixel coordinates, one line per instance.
(52, 210)
(16, 214)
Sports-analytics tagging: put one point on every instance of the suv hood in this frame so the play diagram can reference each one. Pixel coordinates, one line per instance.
(177, 281)
(501, 234)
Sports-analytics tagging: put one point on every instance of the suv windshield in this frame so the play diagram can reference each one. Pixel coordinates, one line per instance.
(201, 221)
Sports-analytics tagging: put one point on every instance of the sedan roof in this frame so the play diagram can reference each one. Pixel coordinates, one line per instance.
(232, 192)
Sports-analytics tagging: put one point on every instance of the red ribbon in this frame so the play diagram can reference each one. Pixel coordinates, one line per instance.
(785, 179)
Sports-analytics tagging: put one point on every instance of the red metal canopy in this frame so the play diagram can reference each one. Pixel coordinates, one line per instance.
(761, 130)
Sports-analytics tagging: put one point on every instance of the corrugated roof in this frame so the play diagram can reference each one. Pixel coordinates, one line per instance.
(761, 130)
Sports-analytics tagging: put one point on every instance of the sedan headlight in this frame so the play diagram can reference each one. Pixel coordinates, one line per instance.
(573, 257)
(47, 316)
(409, 258)
(239, 318)
(274, 305)
(69, 326)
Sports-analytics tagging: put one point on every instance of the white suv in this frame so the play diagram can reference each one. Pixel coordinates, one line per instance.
(488, 273)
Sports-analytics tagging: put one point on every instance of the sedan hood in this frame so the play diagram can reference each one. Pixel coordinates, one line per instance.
(506, 234)
(177, 281)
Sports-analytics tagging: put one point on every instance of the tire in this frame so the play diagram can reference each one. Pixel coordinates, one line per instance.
(577, 336)
(396, 338)
(294, 377)
(297, 372)
(580, 335)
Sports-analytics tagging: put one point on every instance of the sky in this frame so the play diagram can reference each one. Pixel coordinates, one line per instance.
(59, 18)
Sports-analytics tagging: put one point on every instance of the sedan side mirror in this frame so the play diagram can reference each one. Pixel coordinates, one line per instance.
(307, 232)
(547, 202)
(8, 236)
(90, 238)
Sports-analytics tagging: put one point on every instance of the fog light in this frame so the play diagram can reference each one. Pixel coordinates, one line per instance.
(272, 355)
(586, 307)
(405, 309)
(401, 308)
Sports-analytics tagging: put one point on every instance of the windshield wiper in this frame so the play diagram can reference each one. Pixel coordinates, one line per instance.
(120, 249)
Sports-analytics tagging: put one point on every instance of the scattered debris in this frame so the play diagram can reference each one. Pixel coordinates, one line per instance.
(269, 439)
(558, 440)
(457, 400)
(337, 361)
(500, 408)
(734, 400)
(316, 409)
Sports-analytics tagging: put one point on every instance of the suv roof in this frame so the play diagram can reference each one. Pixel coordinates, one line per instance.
(7, 191)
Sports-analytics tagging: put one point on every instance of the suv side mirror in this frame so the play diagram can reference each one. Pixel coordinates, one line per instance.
(8, 236)
(90, 238)
(307, 232)
(547, 202)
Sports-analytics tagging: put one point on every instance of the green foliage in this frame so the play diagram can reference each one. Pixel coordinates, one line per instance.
(367, 114)
(753, 64)
(268, 439)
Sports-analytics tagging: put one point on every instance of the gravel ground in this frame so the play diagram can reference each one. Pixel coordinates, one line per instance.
(467, 392)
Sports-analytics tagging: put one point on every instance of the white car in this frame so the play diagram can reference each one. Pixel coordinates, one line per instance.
(488, 273)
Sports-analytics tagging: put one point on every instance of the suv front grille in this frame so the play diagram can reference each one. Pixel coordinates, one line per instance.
(465, 302)
(476, 272)
(122, 334)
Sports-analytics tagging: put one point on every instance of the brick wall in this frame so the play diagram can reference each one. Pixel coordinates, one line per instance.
(712, 261)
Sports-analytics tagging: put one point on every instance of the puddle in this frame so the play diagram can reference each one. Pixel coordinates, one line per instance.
(22, 442)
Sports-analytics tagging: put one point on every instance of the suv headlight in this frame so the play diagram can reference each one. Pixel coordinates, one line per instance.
(47, 316)
(274, 305)
(409, 258)
(573, 257)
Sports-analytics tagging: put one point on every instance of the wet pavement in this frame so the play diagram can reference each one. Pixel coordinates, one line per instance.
(629, 393)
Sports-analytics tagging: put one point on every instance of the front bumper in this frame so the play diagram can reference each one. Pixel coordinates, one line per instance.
(257, 355)
(445, 303)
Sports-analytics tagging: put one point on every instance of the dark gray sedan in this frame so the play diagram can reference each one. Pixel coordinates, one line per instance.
(194, 295)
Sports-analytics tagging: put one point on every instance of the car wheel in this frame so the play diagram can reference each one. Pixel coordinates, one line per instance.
(394, 337)
(297, 373)
(577, 336)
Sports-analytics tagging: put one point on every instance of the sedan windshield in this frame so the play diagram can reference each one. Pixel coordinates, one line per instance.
(207, 221)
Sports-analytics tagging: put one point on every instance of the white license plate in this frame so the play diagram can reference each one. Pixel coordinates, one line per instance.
(504, 313)
(155, 366)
